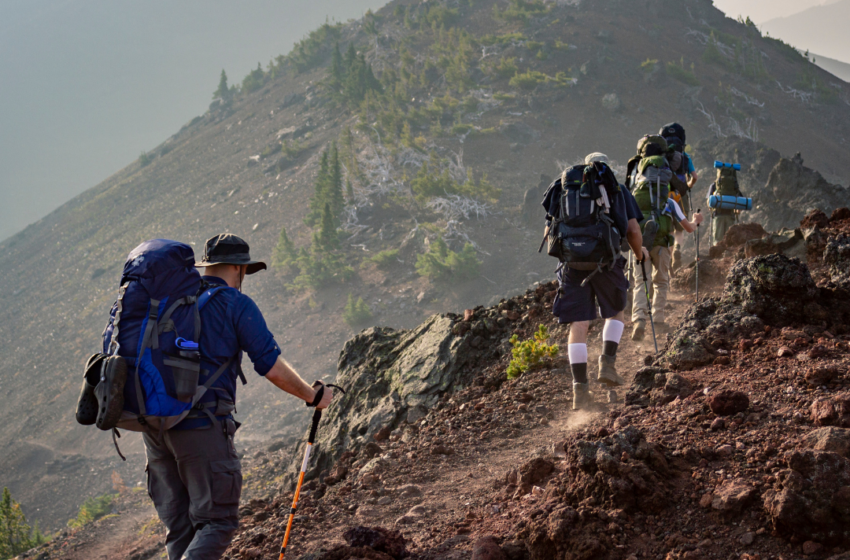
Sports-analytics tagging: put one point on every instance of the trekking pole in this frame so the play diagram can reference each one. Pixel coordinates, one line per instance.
(317, 416)
(697, 263)
(649, 304)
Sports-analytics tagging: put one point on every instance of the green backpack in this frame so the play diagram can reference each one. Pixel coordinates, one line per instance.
(651, 190)
(727, 182)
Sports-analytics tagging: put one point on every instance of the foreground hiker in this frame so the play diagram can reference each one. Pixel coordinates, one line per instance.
(172, 351)
(588, 215)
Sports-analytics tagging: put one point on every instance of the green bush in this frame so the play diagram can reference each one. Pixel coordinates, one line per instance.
(254, 80)
(145, 159)
(16, 536)
(507, 67)
(356, 312)
(648, 65)
(441, 263)
(679, 72)
(531, 354)
(92, 509)
(386, 259)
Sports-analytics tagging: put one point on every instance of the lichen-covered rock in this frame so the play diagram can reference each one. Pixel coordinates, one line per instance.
(811, 500)
(836, 256)
(775, 288)
(389, 373)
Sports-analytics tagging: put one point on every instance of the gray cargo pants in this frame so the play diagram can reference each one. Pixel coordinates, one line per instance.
(195, 480)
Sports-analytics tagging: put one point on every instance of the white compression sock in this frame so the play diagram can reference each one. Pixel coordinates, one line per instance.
(611, 334)
(613, 331)
(578, 353)
(578, 362)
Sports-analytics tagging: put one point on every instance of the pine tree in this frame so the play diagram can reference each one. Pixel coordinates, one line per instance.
(327, 238)
(334, 186)
(319, 199)
(223, 91)
(284, 253)
(16, 536)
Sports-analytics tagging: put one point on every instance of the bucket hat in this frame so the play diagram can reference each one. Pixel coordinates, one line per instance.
(596, 157)
(226, 248)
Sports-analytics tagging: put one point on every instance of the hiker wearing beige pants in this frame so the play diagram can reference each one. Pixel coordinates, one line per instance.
(658, 268)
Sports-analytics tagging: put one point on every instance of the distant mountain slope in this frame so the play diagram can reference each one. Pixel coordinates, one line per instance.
(821, 29)
(835, 67)
(465, 99)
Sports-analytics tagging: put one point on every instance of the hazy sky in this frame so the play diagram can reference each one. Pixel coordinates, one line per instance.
(87, 85)
(762, 10)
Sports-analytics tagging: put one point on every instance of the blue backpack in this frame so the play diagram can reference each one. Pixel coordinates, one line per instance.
(155, 326)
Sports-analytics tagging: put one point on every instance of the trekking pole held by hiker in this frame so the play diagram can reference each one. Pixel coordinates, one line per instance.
(697, 262)
(317, 416)
(649, 303)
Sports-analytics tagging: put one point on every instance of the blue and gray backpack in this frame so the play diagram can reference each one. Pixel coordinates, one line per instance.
(149, 375)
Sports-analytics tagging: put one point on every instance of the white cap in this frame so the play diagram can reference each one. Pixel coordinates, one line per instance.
(596, 157)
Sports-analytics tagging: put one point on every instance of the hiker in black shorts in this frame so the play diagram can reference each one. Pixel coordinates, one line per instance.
(582, 290)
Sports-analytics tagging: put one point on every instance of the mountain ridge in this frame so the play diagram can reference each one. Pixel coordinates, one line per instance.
(212, 175)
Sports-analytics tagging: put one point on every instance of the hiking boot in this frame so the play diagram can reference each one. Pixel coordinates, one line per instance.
(86, 412)
(581, 396)
(608, 372)
(638, 330)
(110, 392)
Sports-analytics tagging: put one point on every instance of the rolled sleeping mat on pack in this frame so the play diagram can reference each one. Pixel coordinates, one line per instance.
(725, 202)
(720, 165)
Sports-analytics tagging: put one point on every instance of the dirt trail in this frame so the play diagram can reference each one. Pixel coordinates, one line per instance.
(454, 493)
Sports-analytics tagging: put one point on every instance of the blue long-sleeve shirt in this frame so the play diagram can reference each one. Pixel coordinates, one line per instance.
(231, 323)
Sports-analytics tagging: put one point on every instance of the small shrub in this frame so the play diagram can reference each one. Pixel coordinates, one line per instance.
(520, 10)
(679, 72)
(507, 67)
(531, 354)
(92, 509)
(386, 259)
(145, 159)
(648, 65)
(356, 312)
(441, 263)
(502, 96)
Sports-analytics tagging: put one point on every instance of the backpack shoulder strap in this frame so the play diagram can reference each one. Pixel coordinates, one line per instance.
(208, 293)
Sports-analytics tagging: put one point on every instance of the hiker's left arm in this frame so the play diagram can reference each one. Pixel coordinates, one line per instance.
(635, 240)
(692, 179)
(691, 226)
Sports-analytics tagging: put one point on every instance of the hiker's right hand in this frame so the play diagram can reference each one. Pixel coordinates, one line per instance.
(644, 254)
(698, 218)
(327, 396)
